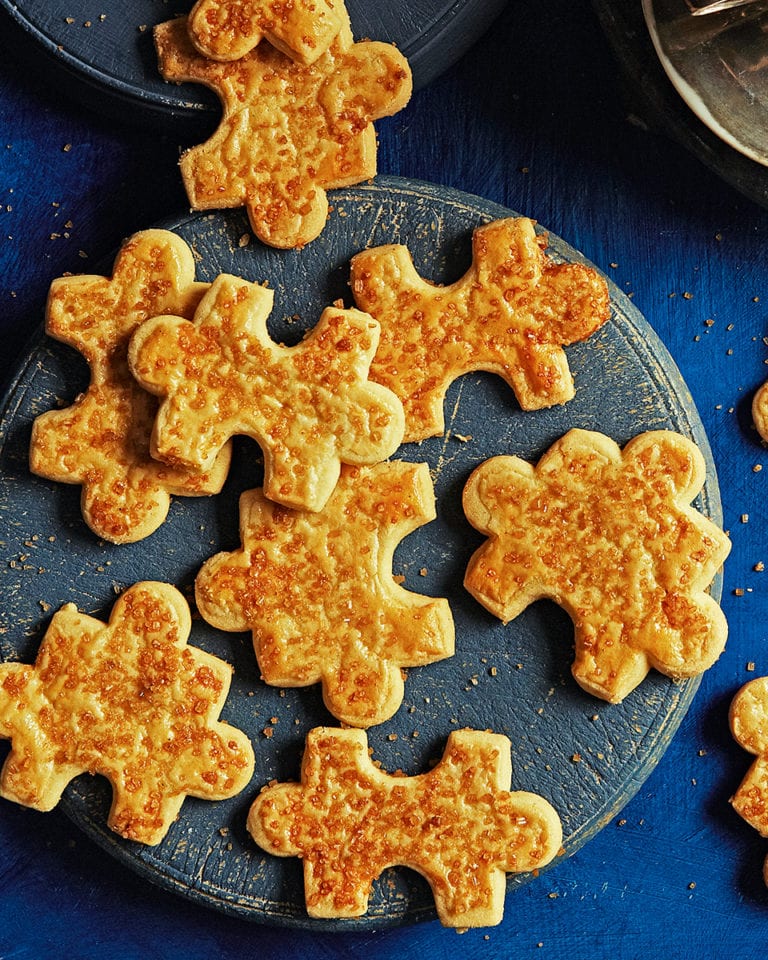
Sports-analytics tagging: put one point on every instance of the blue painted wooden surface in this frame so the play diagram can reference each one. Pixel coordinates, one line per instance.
(534, 117)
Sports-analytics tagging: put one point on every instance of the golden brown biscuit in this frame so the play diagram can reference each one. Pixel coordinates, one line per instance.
(128, 700)
(610, 535)
(289, 132)
(317, 591)
(748, 719)
(301, 29)
(458, 825)
(309, 407)
(510, 314)
(760, 411)
(102, 440)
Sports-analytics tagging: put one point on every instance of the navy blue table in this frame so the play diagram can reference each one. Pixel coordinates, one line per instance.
(538, 117)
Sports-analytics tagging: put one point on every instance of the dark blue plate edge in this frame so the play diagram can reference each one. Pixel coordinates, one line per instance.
(114, 98)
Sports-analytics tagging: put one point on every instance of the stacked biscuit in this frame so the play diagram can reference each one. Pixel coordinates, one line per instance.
(179, 367)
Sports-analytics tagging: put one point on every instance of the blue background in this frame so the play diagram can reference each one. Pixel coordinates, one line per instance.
(538, 117)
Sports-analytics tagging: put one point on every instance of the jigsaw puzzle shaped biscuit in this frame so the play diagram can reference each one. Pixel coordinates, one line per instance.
(289, 132)
(610, 536)
(102, 441)
(510, 314)
(128, 700)
(748, 719)
(760, 411)
(317, 591)
(301, 29)
(310, 407)
(459, 825)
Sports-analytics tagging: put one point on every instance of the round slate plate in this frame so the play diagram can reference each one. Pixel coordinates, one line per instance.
(111, 63)
(658, 102)
(515, 680)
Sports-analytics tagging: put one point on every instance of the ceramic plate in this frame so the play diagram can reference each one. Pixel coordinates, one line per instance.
(109, 59)
(514, 679)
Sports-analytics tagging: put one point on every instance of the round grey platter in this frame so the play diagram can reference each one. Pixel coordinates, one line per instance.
(512, 679)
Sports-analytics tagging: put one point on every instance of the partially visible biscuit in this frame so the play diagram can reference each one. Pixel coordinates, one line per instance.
(748, 718)
(129, 700)
(459, 825)
(101, 442)
(301, 29)
(760, 411)
(318, 593)
(289, 132)
(309, 407)
(611, 536)
(511, 314)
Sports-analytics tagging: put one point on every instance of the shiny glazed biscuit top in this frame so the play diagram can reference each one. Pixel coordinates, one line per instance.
(289, 132)
(102, 441)
(301, 29)
(128, 700)
(310, 407)
(610, 535)
(458, 825)
(510, 314)
(317, 591)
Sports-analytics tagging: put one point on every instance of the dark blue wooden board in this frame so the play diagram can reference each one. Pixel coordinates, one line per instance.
(111, 65)
(626, 382)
